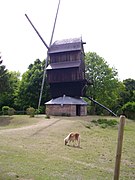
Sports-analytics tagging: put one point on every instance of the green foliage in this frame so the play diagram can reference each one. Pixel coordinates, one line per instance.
(41, 110)
(30, 86)
(3, 78)
(104, 123)
(128, 94)
(129, 84)
(30, 111)
(129, 110)
(5, 110)
(8, 96)
(4, 84)
(104, 86)
(11, 111)
(8, 111)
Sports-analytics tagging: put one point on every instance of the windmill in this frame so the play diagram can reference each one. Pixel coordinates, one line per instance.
(66, 75)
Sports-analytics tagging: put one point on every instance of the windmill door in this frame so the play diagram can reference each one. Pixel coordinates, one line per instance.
(78, 110)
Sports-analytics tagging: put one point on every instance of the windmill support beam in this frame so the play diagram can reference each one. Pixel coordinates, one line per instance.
(101, 105)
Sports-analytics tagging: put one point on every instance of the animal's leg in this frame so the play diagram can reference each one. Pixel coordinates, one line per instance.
(73, 143)
(78, 141)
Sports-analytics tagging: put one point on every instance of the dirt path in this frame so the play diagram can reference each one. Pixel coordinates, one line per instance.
(41, 125)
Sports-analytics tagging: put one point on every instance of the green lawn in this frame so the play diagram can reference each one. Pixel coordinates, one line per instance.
(33, 149)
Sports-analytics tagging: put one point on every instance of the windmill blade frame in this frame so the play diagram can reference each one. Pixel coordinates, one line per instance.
(37, 31)
(46, 62)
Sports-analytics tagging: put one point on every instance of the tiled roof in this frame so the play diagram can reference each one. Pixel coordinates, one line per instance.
(67, 100)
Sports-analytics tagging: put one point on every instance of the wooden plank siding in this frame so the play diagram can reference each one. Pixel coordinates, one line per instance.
(65, 75)
(72, 89)
(66, 69)
(68, 56)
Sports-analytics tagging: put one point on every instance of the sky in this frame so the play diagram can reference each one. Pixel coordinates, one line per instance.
(107, 27)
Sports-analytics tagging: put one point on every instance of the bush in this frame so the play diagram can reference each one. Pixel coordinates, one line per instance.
(40, 110)
(104, 123)
(5, 110)
(11, 111)
(129, 110)
(47, 116)
(30, 111)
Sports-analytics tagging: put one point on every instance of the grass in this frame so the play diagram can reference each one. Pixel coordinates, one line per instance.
(7, 122)
(33, 149)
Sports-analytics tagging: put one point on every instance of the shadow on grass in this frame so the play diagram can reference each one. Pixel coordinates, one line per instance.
(43, 128)
(72, 146)
(5, 120)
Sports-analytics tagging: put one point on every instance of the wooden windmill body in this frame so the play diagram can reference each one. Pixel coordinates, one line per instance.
(66, 76)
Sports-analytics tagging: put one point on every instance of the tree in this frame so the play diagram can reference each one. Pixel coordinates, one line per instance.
(30, 85)
(129, 90)
(3, 77)
(129, 110)
(127, 98)
(8, 96)
(105, 85)
(9, 82)
(129, 84)
(4, 83)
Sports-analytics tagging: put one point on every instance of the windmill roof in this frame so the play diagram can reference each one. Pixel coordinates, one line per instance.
(66, 45)
(67, 100)
(67, 64)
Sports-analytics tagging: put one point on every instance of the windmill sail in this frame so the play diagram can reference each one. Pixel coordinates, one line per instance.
(37, 32)
(46, 62)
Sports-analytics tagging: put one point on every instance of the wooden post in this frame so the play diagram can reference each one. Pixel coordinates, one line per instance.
(119, 147)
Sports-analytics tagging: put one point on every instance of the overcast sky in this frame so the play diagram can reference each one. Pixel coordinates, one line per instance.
(107, 27)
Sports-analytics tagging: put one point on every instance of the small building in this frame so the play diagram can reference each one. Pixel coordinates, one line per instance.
(66, 106)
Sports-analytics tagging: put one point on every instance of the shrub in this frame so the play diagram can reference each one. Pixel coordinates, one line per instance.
(37, 111)
(129, 110)
(47, 116)
(30, 111)
(104, 123)
(40, 110)
(5, 110)
(11, 111)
